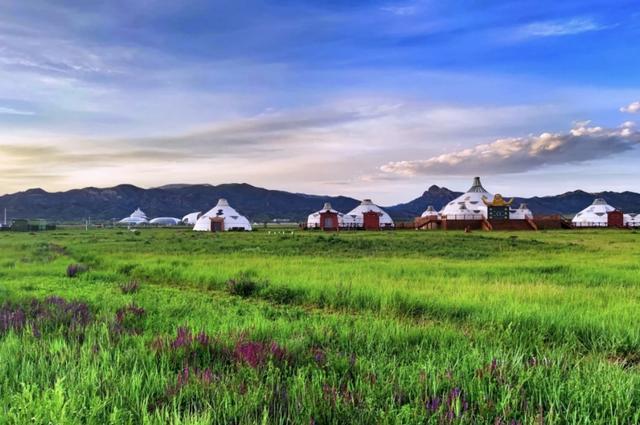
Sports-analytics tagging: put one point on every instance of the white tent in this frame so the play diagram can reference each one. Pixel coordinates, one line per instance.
(521, 213)
(595, 215)
(430, 212)
(222, 213)
(472, 201)
(165, 221)
(313, 221)
(632, 220)
(191, 218)
(356, 215)
(136, 218)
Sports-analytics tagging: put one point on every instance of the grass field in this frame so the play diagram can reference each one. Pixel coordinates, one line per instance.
(172, 326)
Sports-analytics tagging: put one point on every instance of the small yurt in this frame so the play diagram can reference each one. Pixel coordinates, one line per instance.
(326, 219)
(597, 215)
(165, 221)
(221, 218)
(136, 218)
(430, 212)
(632, 220)
(472, 201)
(369, 216)
(191, 218)
(521, 213)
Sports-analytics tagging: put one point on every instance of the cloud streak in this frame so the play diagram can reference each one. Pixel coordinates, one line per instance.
(632, 108)
(514, 155)
(561, 28)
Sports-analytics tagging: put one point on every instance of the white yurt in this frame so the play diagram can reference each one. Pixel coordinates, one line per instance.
(165, 221)
(356, 215)
(521, 213)
(595, 215)
(222, 217)
(472, 201)
(313, 221)
(632, 220)
(430, 212)
(136, 218)
(191, 218)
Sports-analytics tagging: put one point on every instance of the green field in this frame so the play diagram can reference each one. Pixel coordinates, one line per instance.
(171, 326)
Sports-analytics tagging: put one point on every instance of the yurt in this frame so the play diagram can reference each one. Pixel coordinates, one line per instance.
(369, 216)
(472, 201)
(596, 215)
(191, 218)
(521, 213)
(632, 220)
(430, 212)
(136, 218)
(326, 219)
(221, 218)
(165, 221)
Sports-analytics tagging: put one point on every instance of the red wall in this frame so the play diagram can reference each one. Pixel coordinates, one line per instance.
(615, 219)
(371, 220)
(329, 215)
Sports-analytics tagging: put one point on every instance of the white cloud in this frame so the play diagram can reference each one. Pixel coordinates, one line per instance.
(12, 111)
(632, 108)
(560, 28)
(519, 154)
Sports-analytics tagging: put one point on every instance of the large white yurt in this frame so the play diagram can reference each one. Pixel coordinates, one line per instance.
(521, 213)
(356, 215)
(430, 212)
(191, 218)
(632, 220)
(165, 221)
(595, 215)
(222, 218)
(313, 220)
(136, 218)
(472, 201)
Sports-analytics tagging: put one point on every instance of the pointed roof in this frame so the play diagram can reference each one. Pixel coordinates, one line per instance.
(477, 186)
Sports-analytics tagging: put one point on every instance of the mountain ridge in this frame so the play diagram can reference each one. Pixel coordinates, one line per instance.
(257, 203)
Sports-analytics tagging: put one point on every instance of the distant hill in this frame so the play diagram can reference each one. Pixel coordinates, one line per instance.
(259, 204)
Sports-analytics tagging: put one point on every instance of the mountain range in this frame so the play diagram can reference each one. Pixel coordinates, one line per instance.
(257, 203)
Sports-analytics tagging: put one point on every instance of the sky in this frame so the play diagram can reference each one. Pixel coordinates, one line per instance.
(370, 99)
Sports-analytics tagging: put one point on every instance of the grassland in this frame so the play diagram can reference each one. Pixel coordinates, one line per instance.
(171, 326)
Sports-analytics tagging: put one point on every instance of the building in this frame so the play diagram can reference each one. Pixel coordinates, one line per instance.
(469, 205)
(430, 212)
(326, 219)
(368, 216)
(599, 214)
(220, 218)
(165, 221)
(632, 220)
(521, 213)
(138, 217)
(191, 218)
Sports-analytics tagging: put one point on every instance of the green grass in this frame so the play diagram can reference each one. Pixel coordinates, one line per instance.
(389, 327)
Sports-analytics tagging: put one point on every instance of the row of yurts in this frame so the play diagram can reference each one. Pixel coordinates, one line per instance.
(472, 205)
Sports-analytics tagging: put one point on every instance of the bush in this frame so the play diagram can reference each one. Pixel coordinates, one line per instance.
(243, 285)
(74, 270)
(130, 287)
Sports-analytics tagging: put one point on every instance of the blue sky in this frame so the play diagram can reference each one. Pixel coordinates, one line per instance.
(370, 99)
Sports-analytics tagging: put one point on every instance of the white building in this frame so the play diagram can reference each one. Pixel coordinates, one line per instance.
(632, 220)
(595, 215)
(356, 216)
(222, 218)
(521, 213)
(136, 218)
(165, 221)
(191, 218)
(313, 220)
(430, 212)
(469, 205)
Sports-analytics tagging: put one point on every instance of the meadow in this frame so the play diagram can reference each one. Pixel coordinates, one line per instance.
(170, 326)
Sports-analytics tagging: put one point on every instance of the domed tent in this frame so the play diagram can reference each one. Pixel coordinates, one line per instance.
(326, 219)
(472, 201)
(191, 218)
(595, 215)
(369, 216)
(136, 218)
(165, 221)
(221, 218)
(430, 212)
(521, 213)
(632, 220)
